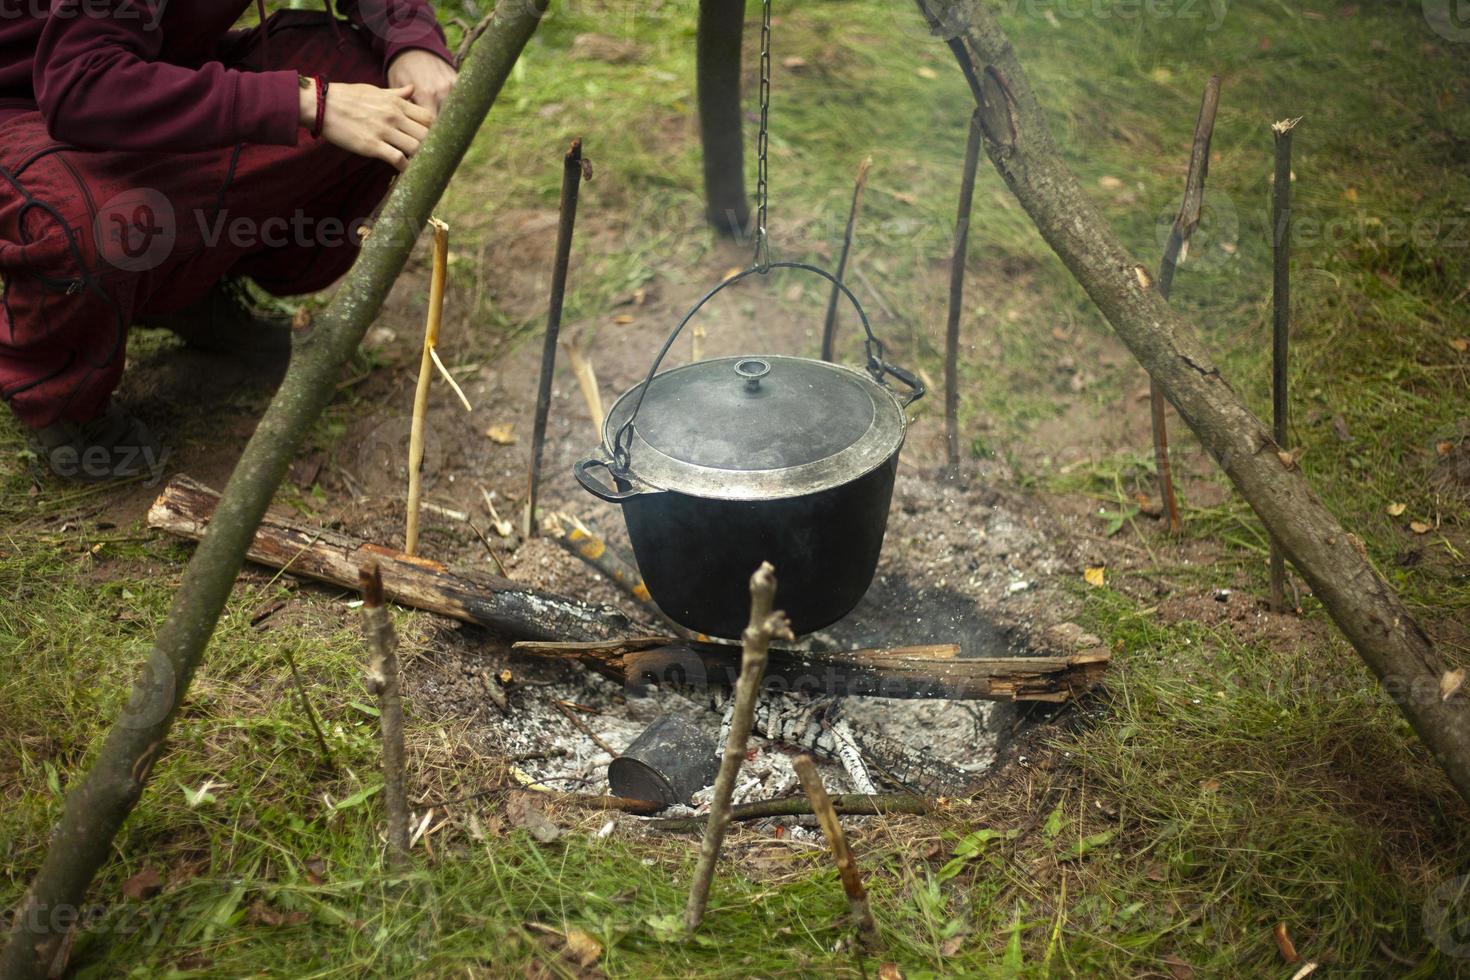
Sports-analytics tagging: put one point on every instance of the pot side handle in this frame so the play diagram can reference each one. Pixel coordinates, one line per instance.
(597, 488)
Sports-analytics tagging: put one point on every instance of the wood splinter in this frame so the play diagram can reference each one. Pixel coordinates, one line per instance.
(852, 879)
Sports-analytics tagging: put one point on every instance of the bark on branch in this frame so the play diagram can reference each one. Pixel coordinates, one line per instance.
(1333, 562)
(96, 808)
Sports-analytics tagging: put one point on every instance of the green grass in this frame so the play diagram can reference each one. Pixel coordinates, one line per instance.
(1217, 787)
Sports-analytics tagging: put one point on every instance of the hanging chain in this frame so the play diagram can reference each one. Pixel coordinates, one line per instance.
(762, 247)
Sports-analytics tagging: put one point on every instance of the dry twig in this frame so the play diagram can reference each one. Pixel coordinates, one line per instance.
(957, 291)
(765, 625)
(829, 326)
(1175, 251)
(382, 644)
(851, 804)
(852, 881)
(421, 393)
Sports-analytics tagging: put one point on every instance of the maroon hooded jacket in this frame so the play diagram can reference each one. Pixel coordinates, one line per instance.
(141, 74)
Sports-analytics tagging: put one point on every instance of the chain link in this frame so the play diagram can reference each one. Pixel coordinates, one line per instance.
(762, 247)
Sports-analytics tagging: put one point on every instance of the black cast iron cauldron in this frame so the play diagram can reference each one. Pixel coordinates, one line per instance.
(739, 460)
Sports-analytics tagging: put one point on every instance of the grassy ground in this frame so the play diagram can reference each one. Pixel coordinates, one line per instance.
(1227, 780)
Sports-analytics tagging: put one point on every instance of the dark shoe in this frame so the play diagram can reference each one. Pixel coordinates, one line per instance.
(114, 446)
(228, 321)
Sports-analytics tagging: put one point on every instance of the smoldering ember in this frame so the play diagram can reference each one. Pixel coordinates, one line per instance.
(737, 489)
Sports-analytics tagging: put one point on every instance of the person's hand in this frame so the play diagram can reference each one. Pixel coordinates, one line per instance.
(430, 75)
(383, 123)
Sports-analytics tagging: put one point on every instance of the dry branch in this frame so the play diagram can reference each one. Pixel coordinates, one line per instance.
(98, 804)
(606, 640)
(1175, 250)
(421, 392)
(382, 645)
(846, 804)
(933, 671)
(765, 625)
(847, 869)
(1359, 600)
(185, 508)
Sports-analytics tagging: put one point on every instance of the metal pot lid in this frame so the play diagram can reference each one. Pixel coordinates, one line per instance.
(757, 427)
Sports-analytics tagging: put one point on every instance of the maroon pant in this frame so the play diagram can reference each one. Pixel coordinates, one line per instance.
(89, 241)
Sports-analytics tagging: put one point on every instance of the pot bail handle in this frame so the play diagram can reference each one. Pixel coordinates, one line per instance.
(877, 366)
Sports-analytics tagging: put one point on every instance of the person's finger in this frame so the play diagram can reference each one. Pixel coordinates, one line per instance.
(418, 113)
(415, 129)
(391, 155)
(407, 144)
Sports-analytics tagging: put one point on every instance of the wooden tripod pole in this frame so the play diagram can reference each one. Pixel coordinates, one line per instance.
(1280, 322)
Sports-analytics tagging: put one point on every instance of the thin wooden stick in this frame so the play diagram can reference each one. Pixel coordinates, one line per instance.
(578, 539)
(587, 381)
(583, 727)
(1175, 251)
(1280, 322)
(765, 626)
(847, 869)
(382, 644)
(848, 804)
(421, 393)
(957, 292)
(309, 711)
(829, 326)
(571, 182)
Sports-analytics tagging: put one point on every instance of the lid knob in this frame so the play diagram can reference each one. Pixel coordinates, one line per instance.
(752, 369)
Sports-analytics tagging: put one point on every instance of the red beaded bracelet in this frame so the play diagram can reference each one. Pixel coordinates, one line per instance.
(321, 105)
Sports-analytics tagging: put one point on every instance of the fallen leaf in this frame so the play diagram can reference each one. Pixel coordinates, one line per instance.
(262, 914)
(1287, 459)
(1461, 344)
(925, 72)
(316, 871)
(1211, 785)
(793, 63)
(890, 971)
(301, 320)
(1178, 968)
(530, 818)
(623, 319)
(1350, 195)
(1141, 274)
(1397, 509)
(1418, 527)
(502, 435)
(1308, 968)
(1094, 576)
(1451, 682)
(583, 946)
(1443, 448)
(143, 885)
(951, 946)
(1109, 183)
(1284, 943)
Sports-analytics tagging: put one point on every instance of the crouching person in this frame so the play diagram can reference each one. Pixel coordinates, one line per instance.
(151, 158)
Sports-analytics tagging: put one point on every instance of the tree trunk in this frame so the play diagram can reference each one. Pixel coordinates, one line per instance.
(1333, 562)
(96, 807)
(717, 56)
